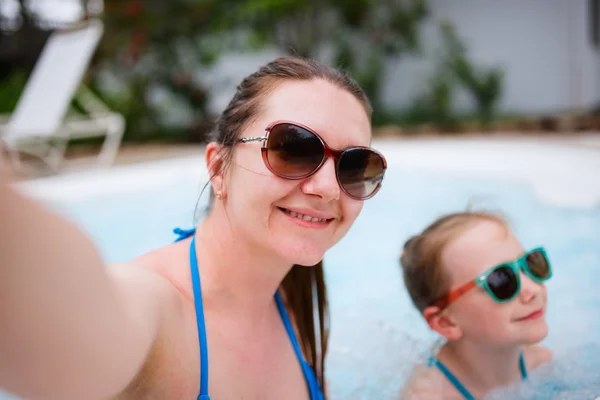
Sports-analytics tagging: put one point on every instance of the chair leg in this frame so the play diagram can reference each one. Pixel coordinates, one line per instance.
(114, 135)
(56, 154)
(17, 166)
(15, 161)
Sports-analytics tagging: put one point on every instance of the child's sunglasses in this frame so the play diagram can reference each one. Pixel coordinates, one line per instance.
(294, 151)
(503, 281)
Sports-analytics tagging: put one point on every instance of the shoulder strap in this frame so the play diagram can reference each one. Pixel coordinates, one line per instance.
(184, 234)
(309, 375)
(459, 386)
(522, 366)
(453, 379)
(288, 325)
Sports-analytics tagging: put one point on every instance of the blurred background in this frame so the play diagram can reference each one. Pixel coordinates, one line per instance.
(427, 65)
(486, 103)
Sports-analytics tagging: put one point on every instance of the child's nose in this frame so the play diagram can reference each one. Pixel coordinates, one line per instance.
(529, 288)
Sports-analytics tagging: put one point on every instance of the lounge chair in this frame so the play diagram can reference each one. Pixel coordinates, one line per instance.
(41, 124)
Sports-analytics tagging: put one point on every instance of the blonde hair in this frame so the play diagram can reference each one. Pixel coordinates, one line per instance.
(425, 279)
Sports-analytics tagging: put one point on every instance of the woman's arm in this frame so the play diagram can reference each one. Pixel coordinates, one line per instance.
(69, 327)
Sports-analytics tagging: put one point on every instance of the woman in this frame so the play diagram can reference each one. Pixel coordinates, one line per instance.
(151, 328)
(478, 288)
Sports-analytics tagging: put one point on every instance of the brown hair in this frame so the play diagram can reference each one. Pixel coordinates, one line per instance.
(301, 283)
(424, 277)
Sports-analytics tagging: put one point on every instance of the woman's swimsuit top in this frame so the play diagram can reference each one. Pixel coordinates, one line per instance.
(311, 380)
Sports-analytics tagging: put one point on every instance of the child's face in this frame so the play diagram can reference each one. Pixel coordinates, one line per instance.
(480, 318)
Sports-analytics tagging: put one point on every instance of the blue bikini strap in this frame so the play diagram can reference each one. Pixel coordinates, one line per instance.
(182, 235)
(453, 380)
(522, 366)
(312, 382)
(309, 375)
(288, 326)
(200, 321)
(459, 386)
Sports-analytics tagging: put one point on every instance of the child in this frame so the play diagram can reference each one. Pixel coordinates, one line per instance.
(477, 287)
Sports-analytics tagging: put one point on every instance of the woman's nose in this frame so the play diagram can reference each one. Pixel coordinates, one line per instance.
(323, 183)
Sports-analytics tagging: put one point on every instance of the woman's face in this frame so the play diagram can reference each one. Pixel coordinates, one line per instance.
(272, 212)
(485, 245)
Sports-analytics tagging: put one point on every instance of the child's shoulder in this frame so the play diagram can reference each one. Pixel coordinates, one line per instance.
(422, 384)
(426, 383)
(536, 355)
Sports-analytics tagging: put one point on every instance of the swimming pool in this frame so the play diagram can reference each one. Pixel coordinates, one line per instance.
(551, 195)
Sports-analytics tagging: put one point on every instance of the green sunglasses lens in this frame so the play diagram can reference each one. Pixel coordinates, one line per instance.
(503, 283)
(538, 265)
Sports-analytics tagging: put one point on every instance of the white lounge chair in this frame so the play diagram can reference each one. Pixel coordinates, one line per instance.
(40, 124)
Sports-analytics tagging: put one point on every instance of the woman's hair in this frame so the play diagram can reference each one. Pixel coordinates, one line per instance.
(424, 276)
(303, 288)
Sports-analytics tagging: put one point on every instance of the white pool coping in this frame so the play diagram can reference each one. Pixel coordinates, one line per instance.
(560, 174)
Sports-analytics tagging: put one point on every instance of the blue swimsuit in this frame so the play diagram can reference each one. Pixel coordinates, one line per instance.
(311, 379)
(458, 385)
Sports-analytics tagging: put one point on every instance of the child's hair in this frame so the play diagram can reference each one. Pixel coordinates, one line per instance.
(424, 277)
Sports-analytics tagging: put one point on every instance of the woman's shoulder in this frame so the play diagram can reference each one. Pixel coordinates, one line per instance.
(148, 295)
(152, 285)
(140, 281)
(536, 355)
(170, 263)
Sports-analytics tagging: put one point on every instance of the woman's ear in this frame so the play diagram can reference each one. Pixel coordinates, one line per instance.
(214, 163)
(442, 322)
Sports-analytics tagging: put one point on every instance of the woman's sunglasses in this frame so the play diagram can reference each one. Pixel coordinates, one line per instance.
(503, 281)
(294, 151)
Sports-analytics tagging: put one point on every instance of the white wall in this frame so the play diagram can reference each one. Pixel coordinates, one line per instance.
(543, 45)
(596, 70)
(585, 66)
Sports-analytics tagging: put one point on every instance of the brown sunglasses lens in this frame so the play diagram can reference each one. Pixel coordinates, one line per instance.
(538, 265)
(360, 172)
(293, 152)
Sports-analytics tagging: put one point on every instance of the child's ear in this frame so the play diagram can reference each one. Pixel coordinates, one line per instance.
(442, 322)
(214, 163)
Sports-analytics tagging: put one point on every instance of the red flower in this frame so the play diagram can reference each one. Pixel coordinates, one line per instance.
(134, 8)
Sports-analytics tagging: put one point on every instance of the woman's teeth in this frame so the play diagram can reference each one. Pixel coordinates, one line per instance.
(304, 217)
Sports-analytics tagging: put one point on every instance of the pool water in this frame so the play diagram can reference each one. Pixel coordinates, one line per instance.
(376, 334)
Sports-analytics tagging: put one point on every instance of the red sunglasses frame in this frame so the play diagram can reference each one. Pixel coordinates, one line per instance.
(446, 300)
(454, 295)
(328, 152)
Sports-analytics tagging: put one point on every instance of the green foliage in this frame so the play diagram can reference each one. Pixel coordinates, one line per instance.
(161, 44)
(10, 91)
(435, 105)
(369, 32)
(454, 69)
(484, 84)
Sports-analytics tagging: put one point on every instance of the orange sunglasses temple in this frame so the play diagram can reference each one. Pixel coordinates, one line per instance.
(453, 295)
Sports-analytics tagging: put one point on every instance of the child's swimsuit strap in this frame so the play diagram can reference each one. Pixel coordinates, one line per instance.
(453, 379)
(459, 386)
